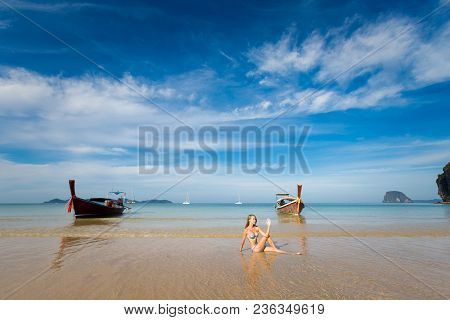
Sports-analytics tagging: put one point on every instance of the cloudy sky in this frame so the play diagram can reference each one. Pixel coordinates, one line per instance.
(370, 78)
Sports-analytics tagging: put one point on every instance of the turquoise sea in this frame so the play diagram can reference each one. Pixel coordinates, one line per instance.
(224, 219)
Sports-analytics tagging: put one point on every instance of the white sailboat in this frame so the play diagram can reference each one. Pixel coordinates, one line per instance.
(239, 200)
(186, 201)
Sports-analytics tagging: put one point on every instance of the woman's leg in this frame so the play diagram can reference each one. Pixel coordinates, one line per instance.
(270, 242)
(271, 249)
(260, 245)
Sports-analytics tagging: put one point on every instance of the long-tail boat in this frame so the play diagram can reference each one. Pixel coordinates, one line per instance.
(94, 207)
(287, 204)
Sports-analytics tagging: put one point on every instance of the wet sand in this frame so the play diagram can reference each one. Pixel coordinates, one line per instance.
(330, 267)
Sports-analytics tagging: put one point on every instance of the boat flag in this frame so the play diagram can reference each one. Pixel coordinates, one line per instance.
(69, 205)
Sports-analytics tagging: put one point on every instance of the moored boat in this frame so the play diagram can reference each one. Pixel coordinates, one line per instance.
(288, 204)
(94, 207)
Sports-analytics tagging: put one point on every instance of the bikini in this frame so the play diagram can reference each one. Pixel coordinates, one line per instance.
(252, 236)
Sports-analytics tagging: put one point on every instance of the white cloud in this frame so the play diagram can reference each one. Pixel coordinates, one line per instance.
(268, 82)
(285, 56)
(92, 114)
(312, 101)
(332, 61)
(361, 47)
(259, 110)
(23, 93)
(97, 115)
(431, 60)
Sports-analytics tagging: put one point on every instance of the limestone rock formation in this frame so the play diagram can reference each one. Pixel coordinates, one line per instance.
(396, 197)
(443, 183)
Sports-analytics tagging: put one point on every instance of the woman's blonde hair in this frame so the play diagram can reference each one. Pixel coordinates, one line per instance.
(248, 220)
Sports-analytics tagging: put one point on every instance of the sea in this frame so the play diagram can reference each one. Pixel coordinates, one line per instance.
(212, 220)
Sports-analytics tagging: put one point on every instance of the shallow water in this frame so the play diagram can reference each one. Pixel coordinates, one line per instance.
(370, 251)
(227, 220)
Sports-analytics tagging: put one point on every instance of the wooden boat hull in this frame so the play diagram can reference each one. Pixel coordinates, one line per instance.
(92, 209)
(289, 204)
(291, 208)
(88, 209)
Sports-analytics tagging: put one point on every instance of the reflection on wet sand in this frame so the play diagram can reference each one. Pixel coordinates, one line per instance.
(303, 246)
(257, 265)
(299, 219)
(72, 244)
(95, 222)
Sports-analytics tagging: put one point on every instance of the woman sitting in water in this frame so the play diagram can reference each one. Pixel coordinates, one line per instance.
(252, 231)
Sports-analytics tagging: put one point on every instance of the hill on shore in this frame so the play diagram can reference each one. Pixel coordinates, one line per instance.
(56, 201)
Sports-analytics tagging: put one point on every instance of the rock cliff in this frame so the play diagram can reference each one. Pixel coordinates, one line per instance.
(396, 197)
(443, 183)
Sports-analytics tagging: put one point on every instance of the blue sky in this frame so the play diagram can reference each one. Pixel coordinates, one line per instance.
(380, 126)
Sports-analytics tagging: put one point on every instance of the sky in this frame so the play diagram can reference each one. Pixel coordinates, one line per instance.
(370, 79)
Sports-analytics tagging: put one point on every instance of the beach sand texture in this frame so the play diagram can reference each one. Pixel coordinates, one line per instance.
(140, 259)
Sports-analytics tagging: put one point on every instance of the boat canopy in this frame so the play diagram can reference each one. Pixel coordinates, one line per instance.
(117, 192)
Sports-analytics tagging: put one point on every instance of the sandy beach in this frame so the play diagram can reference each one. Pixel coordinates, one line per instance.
(164, 268)
(194, 257)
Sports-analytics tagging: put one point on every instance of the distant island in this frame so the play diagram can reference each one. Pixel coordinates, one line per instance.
(396, 197)
(400, 197)
(155, 201)
(56, 201)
